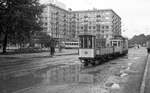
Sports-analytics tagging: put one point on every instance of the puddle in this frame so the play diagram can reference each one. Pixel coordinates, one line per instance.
(136, 58)
(129, 64)
(60, 75)
(86, 78)
(64, 74)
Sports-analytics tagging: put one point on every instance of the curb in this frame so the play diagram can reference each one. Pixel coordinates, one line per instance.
(66, 54)
(142, 88)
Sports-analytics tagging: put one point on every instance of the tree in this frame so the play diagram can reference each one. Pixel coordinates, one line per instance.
(139, 39)
(19, 19)
(44, 39)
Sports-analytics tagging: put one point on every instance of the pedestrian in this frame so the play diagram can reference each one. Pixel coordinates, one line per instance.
(52, 51)
(52, 47)
(60, 48)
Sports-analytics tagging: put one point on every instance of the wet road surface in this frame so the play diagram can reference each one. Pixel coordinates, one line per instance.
(35, 63)
(66, 75)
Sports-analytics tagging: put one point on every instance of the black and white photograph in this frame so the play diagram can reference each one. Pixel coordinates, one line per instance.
(74, 46)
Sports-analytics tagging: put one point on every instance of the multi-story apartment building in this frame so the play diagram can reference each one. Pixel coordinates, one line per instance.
(67, 25)
(56, 22)
(104, 23)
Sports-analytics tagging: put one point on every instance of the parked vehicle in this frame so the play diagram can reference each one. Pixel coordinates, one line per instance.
(92, 52)
(148, 46)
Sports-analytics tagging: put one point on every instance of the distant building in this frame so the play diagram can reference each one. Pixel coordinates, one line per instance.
(67, 25)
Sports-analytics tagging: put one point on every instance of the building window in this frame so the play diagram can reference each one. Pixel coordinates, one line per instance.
(45, 24)
(45, 18)
(64, 15)
(81, 27)
(85, 27)
(85, 16)
(103, 27)
(85, 20)
(57, 13)
(106, 35)
(98, 27)
(107, 27)
(93, 27)
(98, 16)
(107, 13)
(89, 27)
(98, 20)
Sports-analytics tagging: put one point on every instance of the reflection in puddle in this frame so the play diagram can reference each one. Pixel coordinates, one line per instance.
(66, 74)
(49, 75)
(63, 74)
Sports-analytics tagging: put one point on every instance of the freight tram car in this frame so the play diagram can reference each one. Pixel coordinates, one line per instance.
(93, 52)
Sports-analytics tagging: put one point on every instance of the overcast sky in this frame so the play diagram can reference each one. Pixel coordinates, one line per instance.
(135, 14)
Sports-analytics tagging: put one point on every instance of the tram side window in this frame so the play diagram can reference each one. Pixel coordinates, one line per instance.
(118, 43)
(81, 42)
(86, 42)
(90, 42)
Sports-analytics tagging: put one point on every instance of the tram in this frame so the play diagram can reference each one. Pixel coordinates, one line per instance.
(71, 45)
(92, 51)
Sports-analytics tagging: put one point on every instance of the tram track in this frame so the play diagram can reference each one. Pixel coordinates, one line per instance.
(34, 66)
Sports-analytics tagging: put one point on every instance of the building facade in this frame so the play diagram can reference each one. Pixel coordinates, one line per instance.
(56, 22)
(66, 25)
(104, 23)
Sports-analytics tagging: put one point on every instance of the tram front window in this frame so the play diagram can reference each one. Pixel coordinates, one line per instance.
(86, 42)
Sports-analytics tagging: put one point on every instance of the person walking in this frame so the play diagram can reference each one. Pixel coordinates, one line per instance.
(52, 47)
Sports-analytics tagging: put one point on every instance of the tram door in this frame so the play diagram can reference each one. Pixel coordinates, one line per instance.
(87, 46)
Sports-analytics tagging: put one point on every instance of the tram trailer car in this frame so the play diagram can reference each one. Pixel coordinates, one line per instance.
(92, 52)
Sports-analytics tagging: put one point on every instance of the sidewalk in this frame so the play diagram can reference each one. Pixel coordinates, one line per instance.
(147, 77)
(43, 54)
(21, 58)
